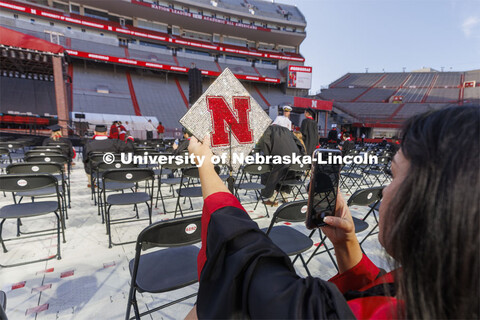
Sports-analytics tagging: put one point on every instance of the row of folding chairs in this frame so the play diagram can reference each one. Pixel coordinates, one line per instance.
(43, 172)
(357, 176)
(179, 236)
(35, 185)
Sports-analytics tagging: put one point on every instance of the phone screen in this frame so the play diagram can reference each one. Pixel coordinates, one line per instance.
(322, 195)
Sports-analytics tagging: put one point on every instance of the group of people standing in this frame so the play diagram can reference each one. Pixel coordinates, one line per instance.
(151, 128)
(119, 131)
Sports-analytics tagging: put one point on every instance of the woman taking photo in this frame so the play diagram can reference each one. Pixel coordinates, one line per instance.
(429, 224)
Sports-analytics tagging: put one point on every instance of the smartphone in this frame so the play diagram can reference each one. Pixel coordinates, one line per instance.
(323, 189)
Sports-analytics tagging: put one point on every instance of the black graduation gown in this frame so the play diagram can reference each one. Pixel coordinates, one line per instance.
(347, 146)
(107, 145)
(182, 147)
(332, 135)
(67, 149)
(309, 130)
(277, 140)
(242, 274)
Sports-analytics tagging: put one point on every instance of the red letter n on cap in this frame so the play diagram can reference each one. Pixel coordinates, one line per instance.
(224, 116)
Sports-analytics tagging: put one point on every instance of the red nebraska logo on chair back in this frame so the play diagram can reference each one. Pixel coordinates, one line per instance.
(236, 117)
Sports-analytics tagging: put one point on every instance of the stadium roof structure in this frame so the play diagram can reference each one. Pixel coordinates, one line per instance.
(25, 53)
(12, 38)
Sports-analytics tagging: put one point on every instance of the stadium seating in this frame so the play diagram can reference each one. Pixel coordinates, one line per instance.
(358, 80)
(93, 47)
(369, 110)
(203, 63)
(412, 94)
(342, 94)
(443, 95)
(448, 79)
(472, 95)
(376, 95)
(152, 55)
(99, 89)
(273, 95)
(472, 75)
(411, 109)
(420, 79)
(160, 97)
(393, 80)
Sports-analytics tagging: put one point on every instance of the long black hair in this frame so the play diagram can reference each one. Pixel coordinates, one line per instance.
(435, 233)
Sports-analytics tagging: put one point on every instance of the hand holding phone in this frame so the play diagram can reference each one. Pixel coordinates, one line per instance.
(322, 193)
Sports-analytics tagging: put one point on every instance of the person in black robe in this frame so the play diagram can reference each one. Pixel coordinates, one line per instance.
(348, 144)
(182, 147)
(57, 139)
(309, 130)
(242, 273)
(332, 138)
(277, 140)
(101, 143)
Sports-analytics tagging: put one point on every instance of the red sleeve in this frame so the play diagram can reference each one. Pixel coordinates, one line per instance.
(375, 308)
(211, 204)
(357, 277)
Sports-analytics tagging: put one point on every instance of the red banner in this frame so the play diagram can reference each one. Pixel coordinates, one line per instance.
(312, 103)
(143, 33)
(139, 63)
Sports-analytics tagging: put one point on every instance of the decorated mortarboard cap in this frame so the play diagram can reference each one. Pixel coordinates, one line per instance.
(312, 111)
(55, 127)
(226, 106)
(101, 128)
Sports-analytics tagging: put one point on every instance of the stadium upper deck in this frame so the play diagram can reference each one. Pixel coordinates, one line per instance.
(389, 98)
(176, 24)
(155, 37)
(60, 22)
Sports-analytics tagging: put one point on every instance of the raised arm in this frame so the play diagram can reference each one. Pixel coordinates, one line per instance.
(211, 182)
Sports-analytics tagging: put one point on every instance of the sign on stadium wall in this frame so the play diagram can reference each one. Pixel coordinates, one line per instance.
(299, 77)
(397, 99)
(137, 32)
(469, 84)
(152, 65)
(312, 103)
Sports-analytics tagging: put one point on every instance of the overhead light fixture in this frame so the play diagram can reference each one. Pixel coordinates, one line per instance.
(12, 54)
(4, 53)
(214, 3)
(29, 56)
